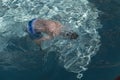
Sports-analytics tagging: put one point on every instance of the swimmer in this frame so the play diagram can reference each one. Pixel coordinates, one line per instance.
(40, 30)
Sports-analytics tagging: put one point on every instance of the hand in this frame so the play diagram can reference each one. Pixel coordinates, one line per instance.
(37, 42)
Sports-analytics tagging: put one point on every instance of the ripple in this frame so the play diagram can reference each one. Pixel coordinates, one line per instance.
(78, 16)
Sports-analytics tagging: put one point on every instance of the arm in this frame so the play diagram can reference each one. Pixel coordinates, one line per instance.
(38, 41)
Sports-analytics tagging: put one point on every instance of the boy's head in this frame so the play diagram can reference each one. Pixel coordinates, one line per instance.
(72, 35)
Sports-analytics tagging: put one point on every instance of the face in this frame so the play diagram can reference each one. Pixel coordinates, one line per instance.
(74, 35)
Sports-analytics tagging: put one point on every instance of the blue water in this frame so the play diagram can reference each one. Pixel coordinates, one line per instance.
(50, 71)
(104, 65)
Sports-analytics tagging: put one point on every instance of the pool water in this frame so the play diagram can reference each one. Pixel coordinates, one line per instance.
(20, 58)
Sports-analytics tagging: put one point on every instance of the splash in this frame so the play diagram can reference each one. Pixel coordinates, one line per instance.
(78, 15)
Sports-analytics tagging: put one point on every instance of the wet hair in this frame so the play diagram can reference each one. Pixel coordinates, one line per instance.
(71, 35)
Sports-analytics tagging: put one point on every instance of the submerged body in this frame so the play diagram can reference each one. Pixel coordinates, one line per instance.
(40, 30)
